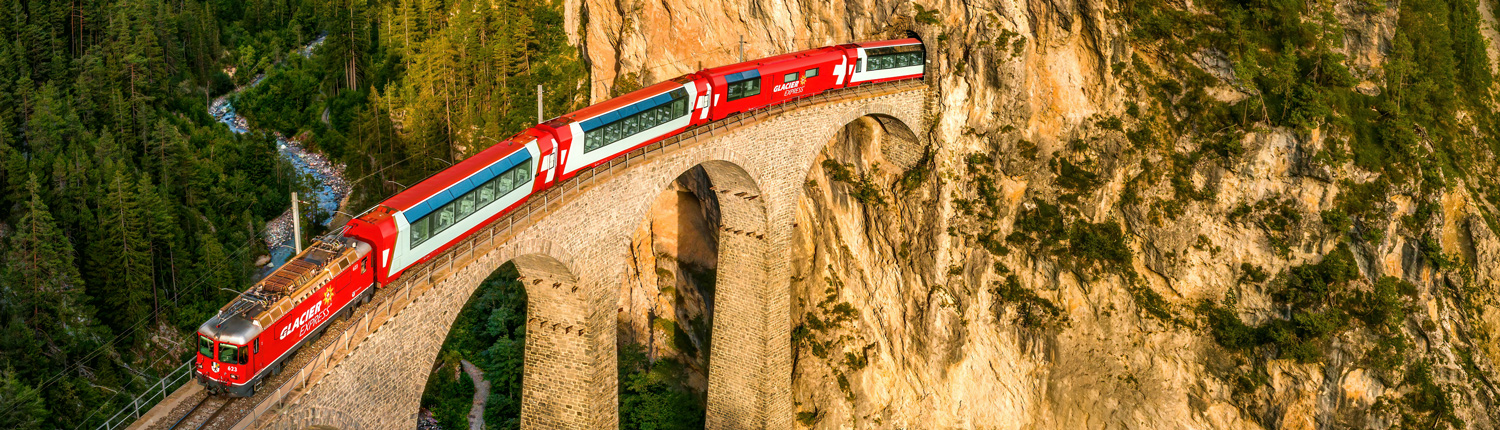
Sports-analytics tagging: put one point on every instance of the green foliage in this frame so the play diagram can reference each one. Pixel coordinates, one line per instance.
(124, 200)
(457, 77)
(1075, 178)
(1102, 243)
(1427, 405)
(651, 397)
(1383, 308)
(1153, 303)
(1317, 299)
(1031, 310)
(22, 406)
(284, 101)
(809, 418)
(917, 175)
(1250, 273)
(490, 332)
(1312, 285)
(1041, 226)
(927, 16)
(448, 394)
(861, 188)
(1111, 123)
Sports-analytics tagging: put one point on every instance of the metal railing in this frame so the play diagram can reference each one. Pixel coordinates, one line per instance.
(145, 401)
(422, 277)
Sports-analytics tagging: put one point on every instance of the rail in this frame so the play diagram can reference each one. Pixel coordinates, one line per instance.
(421, 278)
(145, 401)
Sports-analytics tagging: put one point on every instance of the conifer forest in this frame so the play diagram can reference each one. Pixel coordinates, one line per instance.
(129, 215)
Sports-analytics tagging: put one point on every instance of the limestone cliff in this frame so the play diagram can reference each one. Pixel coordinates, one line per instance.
(1116, 224)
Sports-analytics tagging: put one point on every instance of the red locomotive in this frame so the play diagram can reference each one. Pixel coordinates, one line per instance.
(255, 334)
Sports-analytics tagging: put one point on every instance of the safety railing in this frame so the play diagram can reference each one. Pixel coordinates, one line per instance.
(421, 278)
(145, 401)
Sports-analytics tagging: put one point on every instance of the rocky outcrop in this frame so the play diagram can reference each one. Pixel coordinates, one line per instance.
(1058, 259)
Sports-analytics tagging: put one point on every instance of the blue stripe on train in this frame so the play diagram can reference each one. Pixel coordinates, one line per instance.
(624, 112)
(456, 190)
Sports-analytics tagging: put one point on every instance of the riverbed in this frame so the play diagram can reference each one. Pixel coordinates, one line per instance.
(329, 186)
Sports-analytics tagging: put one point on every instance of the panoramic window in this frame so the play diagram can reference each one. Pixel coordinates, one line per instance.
(675, 107)
(895, 57)
(470, 203)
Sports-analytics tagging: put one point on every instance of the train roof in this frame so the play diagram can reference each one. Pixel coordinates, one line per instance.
(628, 99)
(273, 296)
(776, 60)
(885, 43)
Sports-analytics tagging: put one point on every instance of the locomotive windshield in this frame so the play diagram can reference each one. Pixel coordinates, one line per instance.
(206, 347)
(230, 354)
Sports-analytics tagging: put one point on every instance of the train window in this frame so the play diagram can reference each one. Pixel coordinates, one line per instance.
(859, 65)
(633, 124)
(229, 354)
(745, 88)
(523, 173)
(419, 230)
(445, 218)
(895, 57)
(603, 135)
(469, 203)
(466, 205)
(257, 346)
(789, 77)
(505, 181)
(810, 73)
(206, 347)
(486, 193)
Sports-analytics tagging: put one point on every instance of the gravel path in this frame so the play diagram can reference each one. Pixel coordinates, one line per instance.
(481, 393)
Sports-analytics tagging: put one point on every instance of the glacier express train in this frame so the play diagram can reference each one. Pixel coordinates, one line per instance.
(254, 335)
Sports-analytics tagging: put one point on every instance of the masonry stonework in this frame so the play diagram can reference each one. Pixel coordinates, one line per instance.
(572, 256)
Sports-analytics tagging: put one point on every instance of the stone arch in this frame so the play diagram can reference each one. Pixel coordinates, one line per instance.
(904, 151)
(561, 355)
(740, 379)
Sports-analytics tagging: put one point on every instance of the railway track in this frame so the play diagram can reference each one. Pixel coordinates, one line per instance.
(203, 413)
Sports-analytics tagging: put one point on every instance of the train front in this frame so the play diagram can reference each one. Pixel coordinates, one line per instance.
(223, 362)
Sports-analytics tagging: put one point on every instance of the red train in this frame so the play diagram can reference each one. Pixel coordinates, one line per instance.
(255, 334)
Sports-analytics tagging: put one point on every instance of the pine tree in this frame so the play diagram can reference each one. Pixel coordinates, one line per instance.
(214, 276)
(21, 406)
(38, 267)
(161, 232)
(119, 260)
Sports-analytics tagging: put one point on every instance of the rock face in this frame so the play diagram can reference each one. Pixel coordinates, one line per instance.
(666, 307)
(1038, 266)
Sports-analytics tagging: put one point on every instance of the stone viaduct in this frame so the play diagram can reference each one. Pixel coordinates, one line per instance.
(570, 246)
